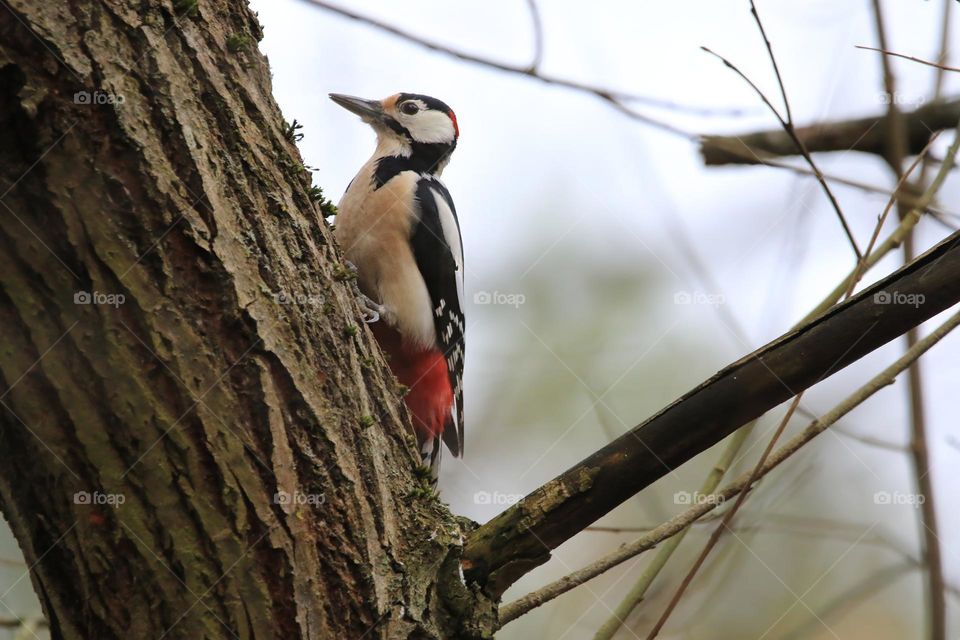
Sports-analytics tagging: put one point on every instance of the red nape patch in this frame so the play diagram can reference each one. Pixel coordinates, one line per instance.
(453, 119)
(424, 373)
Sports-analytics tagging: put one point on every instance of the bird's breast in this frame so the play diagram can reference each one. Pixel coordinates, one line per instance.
(373, 229)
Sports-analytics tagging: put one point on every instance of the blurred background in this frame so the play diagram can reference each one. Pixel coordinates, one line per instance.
(608, 271)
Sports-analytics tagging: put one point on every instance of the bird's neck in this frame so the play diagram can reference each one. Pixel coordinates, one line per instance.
(393, 157)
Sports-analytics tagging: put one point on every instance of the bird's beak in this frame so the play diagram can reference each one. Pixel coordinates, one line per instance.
(370, 110)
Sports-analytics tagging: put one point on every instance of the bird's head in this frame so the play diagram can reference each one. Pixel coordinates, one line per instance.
(409, 119)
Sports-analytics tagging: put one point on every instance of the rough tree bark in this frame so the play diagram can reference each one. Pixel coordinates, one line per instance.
(173, 182)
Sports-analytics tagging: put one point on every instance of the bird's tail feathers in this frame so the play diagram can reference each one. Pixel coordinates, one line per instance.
(430, 453)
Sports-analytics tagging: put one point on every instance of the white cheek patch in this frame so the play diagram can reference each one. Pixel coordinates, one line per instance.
(429, 126)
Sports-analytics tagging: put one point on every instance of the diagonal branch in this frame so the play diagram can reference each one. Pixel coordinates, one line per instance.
(725, 523)
(861, 134)
(937, 65)
(682, 520)
(620, 100)
(788, 125)
(929, 531)
(521, 538)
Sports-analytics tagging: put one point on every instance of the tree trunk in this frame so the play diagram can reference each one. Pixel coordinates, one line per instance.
(200, 439)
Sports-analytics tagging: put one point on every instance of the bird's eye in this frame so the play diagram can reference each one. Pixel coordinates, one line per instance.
(409, 108)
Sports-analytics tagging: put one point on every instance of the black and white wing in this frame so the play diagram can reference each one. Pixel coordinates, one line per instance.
(438, 250)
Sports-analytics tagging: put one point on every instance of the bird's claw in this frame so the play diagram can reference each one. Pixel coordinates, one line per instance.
(371, 310)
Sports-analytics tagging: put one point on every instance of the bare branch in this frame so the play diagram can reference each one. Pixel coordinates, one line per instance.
(520, 538)
(909, 198)
(944, 49)
(639, 590)
(773, 61)
(872, 442)
(863, 588)
(636, 594)
(862, 263)
(863, 134)
(885, 378)
(894, 239)
(725, 523)
(905, 57)
(929, 531)
(537, 36)
(908, 222)
(614, 97)
(790, 130)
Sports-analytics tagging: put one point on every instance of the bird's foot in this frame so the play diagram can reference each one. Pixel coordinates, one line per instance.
(370, 308)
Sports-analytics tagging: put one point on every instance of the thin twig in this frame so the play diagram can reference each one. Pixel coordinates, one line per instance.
(537, 37)
(522, 605)
(636, 594)
(773, 61)
(650, 573)
(867, 586)
(944, 51)
(942, 67)
(616, 98)
(789, 129)
(725, 523)
(897, 145)
(873, 442)
(896, 138)
(645, 529)
(17, 623)
(517, 608)
(729, 456)
(862, 186)
(864, 134)
(858, 270)
(903, 229)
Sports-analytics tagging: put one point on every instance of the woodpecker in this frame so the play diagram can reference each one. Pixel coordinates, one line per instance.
(398, 227)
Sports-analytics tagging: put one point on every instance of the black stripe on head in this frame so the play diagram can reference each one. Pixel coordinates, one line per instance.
(432, 103)
(397, 127)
